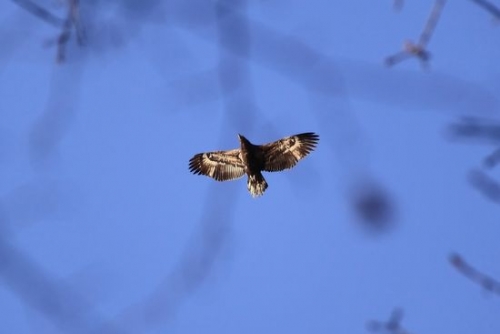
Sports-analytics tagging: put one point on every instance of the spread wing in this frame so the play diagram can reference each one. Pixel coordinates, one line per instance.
(220, 165)
(286, 152)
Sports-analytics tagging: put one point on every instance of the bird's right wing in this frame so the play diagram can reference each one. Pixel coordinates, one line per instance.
(286, 152)
(219, 165)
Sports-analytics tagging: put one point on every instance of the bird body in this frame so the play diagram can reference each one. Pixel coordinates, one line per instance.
(252, 159)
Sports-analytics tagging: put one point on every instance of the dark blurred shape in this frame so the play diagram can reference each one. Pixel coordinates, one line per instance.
(398, 5)
(374, 207)
(198, 261)
(485, 184)
(315, 71)
(141, 10)
(37, 289)
(64, 308)
(494, 10)
(193, 268)
(53, 124)
(492, 159)
(392, 326)
(36, 201)
(71, 22)
(418, 49)
(235, 79)
(475, 128)
(40, 12)
(486, 282)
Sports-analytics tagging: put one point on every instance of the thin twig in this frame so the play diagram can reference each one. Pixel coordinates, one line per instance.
(72, 20)
(40, 12)
(488, 6)
(418, 49)
(392, 326)
(487, 282)
(492, 159)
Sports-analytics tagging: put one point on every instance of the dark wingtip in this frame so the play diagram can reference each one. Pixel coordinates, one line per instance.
(310, 138)
(195, 164)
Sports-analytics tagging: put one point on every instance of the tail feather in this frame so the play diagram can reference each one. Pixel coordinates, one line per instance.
(256, 184)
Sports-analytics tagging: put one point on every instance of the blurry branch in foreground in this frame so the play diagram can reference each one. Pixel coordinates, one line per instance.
(488, 283)
(374, 207)
(481, 130)
(475, 128)
(392, 326)
(40, 12)
(418, 50)
(485, 184)
(72, 21)
(494, 10)
(492, 159)
(66, 25)
(398, 4)
(35, 288)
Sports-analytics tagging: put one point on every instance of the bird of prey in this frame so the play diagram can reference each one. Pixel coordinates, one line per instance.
(252, 159)
(418, 50)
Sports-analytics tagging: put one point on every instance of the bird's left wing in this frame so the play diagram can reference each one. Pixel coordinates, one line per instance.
(286, 152)
(219, 165)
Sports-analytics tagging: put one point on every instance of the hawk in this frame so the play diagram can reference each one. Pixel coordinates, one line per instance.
(252, 159)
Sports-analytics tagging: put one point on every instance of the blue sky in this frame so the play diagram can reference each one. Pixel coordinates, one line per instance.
(105, 230)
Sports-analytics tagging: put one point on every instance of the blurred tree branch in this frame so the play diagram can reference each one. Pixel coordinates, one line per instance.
(419, 49)
(492, 159)
(488, 6)
(476, 128)
(40, 12)
(66, 25)
(487, 282)
(392, 326)
(72, 20)
(485, 184)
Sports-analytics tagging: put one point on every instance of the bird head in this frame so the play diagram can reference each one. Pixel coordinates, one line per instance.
(244, 141)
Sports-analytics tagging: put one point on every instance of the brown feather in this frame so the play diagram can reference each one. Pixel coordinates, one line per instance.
(219, 165)
(286, 152)
(252, 159)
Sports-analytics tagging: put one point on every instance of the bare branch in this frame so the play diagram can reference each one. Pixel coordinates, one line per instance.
(418, 50)
(492, 159)
(476, 128)
(431, 23)
(398, 4)
(397, 58)
(392, 326)
(485, 184)
(494, 10)
(72, 20)
(40, 12)
(488, 283)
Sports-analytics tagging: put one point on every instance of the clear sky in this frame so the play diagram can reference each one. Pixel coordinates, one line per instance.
(105, 230)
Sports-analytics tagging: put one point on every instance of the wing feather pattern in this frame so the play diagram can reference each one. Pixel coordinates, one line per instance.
(286, 152)
(219, 165)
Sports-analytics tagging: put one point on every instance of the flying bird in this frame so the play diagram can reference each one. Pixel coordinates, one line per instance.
(252, 159)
